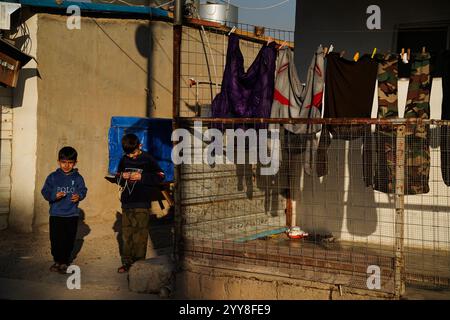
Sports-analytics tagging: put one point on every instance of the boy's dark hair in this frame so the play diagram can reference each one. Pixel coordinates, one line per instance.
(67, 153)
(130, 142)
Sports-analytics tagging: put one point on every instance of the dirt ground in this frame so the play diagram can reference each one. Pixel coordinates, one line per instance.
(25, 260)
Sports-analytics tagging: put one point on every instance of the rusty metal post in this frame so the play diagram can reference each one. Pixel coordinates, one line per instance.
(399, 277)
(288, 210)
(176, 95)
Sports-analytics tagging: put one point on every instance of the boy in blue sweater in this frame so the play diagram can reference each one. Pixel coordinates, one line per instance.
(64, 189)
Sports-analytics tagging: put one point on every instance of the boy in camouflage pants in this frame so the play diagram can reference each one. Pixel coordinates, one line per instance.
(140, 176)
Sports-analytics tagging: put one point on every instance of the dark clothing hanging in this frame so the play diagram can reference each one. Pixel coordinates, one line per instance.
(246, 94)
(63, 231)
(385, 135)
(349, 90)
(444, 71)
(350, 87)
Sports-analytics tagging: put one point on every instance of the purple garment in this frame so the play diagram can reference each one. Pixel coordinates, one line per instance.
(246, 94)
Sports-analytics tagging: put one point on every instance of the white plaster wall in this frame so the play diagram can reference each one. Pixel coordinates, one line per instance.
(23, 171)
(340, 203)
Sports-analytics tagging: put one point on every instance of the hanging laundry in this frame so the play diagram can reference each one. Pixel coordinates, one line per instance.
(349, 90)
(385, 135)
(417, 150)
(292, 100)
(444, 72)
(246, 94)
(417, 156)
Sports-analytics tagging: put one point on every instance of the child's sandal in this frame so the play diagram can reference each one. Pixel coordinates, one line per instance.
(63, 268)
(123, 269)
(54, 267)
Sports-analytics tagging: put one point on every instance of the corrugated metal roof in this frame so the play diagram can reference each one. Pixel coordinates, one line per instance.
(97, 7)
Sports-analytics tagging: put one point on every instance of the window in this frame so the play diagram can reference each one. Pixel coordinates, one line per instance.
(434, 36)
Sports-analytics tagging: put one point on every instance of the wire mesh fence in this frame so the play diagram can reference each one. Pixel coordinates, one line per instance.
(382, 203)
(368, 195)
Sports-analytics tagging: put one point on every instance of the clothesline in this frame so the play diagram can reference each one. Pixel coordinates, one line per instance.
(258, 8)
(271, 86)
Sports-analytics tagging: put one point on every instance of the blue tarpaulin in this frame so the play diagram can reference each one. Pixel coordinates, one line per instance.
(154, 135)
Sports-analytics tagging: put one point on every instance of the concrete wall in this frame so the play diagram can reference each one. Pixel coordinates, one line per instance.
(352, 211)
(107, 68)
(6, 126)
(110, 67)
(227, 201)
(343, 24)
(250, 283)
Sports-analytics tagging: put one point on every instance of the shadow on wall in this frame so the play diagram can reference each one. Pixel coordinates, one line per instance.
(361, 206)
(82, 231)
(25, 74)
(23, 41)
(322, 206)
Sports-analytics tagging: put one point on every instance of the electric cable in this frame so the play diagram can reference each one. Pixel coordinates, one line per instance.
(260, 8)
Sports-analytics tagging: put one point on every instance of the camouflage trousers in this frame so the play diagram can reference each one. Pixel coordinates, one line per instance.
(135, 224)
(417, 150)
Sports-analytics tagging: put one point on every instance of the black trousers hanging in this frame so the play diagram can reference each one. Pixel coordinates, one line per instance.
(63, 231)
(445, 130)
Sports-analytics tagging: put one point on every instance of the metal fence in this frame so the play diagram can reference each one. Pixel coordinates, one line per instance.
(380, 205)
(203, 57)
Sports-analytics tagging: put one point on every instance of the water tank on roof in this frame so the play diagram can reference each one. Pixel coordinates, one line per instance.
(219, 12)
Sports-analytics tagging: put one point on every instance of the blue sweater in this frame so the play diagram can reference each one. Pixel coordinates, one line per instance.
(69, 183)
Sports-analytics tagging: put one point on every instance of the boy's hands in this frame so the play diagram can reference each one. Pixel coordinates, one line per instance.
(60, 195)
(135, 176)
(126, 175)
(75, 197)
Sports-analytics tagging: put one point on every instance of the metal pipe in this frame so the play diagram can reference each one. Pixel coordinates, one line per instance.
(178, 13)
(328, 121)
(224, 30)
(176, 94)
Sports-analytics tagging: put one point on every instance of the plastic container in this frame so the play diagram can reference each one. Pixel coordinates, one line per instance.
(296, 233)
